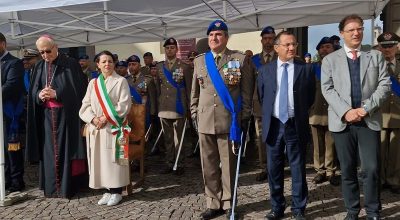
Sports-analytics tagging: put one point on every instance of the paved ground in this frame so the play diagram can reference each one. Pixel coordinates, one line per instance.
(172, 197)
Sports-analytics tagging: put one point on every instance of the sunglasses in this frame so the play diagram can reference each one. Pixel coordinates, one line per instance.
(46, 51)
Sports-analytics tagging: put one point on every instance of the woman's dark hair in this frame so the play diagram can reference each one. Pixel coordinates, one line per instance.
(105, 52)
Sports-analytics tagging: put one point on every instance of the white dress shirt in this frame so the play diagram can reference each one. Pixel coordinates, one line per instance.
(348, 51)
(290, 69)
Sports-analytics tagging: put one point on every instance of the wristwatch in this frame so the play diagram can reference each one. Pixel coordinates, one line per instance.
(365, 108)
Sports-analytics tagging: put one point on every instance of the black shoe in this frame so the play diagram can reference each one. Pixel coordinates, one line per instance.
(334, 180)
(373, 218)
(273, 216)
(350, 216)
(395, 189)
(299, 216)
(262, 176)
(166, 170)
(211, 213)
(179, 171)
(229, 213)
(16, 187)
(319, 178)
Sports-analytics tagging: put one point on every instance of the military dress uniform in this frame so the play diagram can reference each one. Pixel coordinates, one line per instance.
(390, 134)
(145, 86)
(171, 121)
(214, 122)
(264, 58)
(324, 148)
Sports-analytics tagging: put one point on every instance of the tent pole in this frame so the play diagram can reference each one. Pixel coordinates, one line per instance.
(12, 26)
(105, 11)
(224, 9)
(372, 31)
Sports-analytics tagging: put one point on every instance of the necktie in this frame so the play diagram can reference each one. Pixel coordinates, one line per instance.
(217, 59)
(283, 95)
(267, 58)
(354, 53)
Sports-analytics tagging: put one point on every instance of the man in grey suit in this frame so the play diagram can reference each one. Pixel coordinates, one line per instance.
(355, 84)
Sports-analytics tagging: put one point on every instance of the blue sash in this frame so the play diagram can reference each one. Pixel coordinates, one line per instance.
(178, 104)
(317, 69)
(13, 112)
(223, 92)
(395, 86)
(26, 80)
(136, 96)
(256, 60)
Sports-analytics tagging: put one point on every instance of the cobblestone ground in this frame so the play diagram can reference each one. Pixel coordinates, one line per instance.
(182, 197)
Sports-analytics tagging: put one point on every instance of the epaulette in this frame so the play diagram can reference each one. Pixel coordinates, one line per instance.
(202, 54)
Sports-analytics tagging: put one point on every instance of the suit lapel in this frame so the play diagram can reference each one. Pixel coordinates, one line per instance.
(344, 69)
(111, 82)
(274, 76)
(365, 57)
(297, 71)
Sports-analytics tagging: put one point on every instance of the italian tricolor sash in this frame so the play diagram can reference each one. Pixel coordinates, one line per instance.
(119, 126)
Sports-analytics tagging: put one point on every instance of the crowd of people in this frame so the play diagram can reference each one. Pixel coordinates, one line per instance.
(346, 103)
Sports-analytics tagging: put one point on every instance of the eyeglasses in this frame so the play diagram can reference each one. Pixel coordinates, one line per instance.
(46, 51)
(359, 30)
(289, 44)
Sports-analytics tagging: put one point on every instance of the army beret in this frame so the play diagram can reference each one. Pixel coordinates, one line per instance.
(170, 41)
(335, 37)
(267, 30)
(133, 58)
(122, 63)
(84, 57)
(388, 38)
(28, 53)
(147, 54)
(217, 25)
(324, 40)
(2, 37)
(307, 55)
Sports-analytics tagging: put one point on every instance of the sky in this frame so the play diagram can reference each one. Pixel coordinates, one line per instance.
(317, 32)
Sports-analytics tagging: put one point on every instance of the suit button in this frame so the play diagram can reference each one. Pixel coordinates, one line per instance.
(215, 105)
(215, 95)
(391, 102)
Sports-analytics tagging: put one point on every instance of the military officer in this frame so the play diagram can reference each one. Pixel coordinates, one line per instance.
(390, 134)
(174, 87)
(142, 87)
(221, 77)
(324, 148)
(267, 55)
(122, 68)
(307, 58)
(147, 59)
(85, 65)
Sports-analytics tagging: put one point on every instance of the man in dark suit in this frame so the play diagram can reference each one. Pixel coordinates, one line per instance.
(286, 89)
(12, 73)
(355, 84)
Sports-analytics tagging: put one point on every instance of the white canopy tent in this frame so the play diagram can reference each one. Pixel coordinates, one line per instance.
(94, 22)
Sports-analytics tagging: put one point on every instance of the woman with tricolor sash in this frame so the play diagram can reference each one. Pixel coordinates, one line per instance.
(104, 109)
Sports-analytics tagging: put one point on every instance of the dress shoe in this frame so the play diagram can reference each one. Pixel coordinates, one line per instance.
(229, 213)
(114, 199)
(16, 187)
(273, 216)
(211, 213)
(104, 199)
(334, 180)
(319, 178)
(166, 170)
(262, 176)
(299, 216)
(179, 171)
(350, 216)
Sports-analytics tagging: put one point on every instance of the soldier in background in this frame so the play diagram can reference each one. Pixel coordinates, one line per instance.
(122, 68)
(220, 73)
(85, 65)
(307, 58)
(267, 55)
(31, 57)
(174, 87)
(324, 148)
(390, 134)
(148, 60)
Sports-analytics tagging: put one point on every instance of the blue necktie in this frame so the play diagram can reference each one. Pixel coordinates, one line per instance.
(283, 95)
